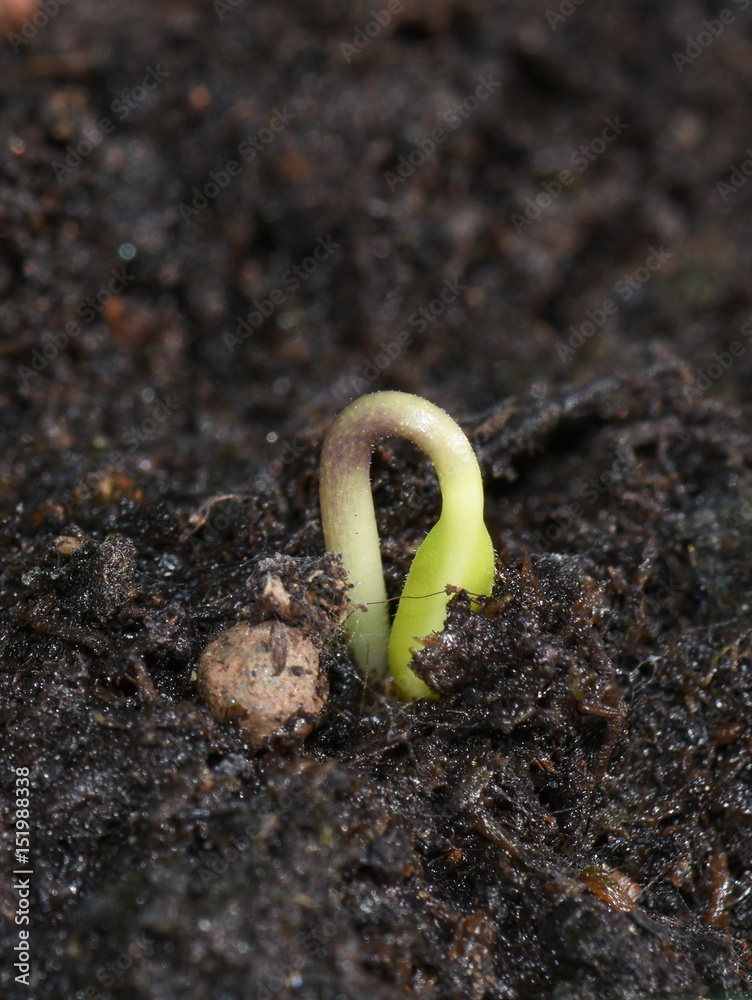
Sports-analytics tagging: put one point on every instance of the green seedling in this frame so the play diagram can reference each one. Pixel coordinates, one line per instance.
(457, 551)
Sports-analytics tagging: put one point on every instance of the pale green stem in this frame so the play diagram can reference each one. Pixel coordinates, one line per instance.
(457, 550)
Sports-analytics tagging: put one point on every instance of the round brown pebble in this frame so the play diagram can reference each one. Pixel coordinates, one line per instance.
(266, 678)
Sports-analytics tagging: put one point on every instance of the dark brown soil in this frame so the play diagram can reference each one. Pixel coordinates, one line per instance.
(573, 817)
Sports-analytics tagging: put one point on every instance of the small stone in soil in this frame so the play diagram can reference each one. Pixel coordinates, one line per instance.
(266, 678)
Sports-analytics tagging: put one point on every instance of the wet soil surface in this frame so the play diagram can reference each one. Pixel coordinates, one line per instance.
(219, 222)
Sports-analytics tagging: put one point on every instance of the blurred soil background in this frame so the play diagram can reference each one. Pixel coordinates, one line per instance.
(219, 222)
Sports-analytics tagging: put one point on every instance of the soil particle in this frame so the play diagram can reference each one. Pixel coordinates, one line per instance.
(267, 678)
